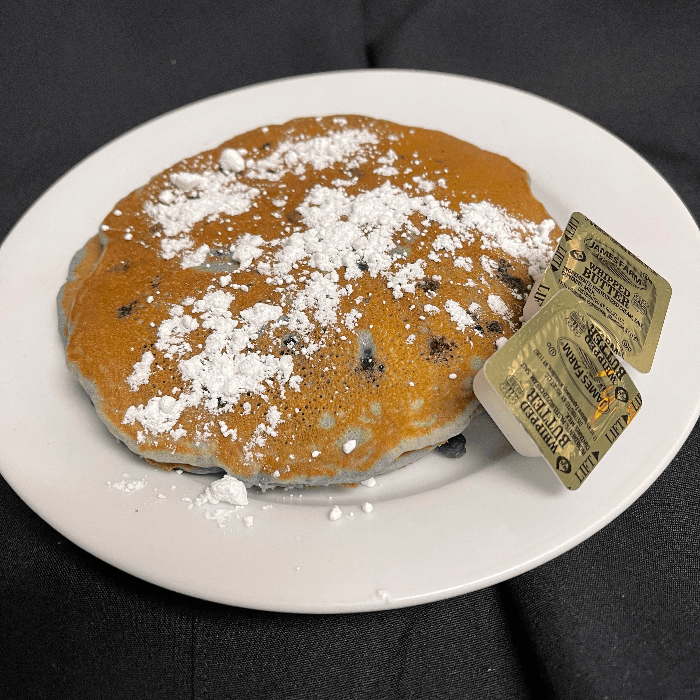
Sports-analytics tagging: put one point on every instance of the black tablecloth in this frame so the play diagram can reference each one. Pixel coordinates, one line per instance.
(616, 617)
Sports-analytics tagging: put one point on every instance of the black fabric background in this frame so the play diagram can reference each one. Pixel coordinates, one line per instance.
(617, 617)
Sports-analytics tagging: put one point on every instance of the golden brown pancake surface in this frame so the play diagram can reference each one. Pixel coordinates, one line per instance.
(307, 303)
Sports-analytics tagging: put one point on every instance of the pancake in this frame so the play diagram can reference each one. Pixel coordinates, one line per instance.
(306, 304)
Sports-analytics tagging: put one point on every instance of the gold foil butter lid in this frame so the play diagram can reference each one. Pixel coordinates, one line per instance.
(556, 389)
(627, 299)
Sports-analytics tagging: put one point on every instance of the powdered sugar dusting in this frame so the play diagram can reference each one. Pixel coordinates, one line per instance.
(338, 234)
(497, 228)
(223, 371)
(128, 485)
(142, 371)
(212, 193)
(462, 318)
(498, 306)
(228, 489)
(319, 152)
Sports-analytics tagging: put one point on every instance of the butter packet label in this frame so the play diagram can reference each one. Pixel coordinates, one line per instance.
(627, 300)
(561, 380)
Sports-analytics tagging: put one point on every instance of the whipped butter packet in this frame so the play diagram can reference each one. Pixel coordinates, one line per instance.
(627, 300)
(557, 390)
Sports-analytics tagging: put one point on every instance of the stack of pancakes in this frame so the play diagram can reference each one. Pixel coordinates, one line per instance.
(306, 304)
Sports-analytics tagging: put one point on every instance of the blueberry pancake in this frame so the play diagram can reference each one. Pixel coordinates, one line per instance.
(306, 304)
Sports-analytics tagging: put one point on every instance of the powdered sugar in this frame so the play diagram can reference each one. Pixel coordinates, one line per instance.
(223, 371)
(197, 257)
(498, 227)
(232, 160)
(246, 249)
(142, 371)
(216, 193)
(464, 262)
(498, 306)
(459, 316)
(228, 489)
(173, 331)
(404, 279)
(319, 152)
(128, 485)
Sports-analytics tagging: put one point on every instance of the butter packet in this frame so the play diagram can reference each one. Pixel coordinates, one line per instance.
(627, 300)
(557, 390)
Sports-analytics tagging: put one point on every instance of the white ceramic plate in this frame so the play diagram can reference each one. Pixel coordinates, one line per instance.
(439, 527)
